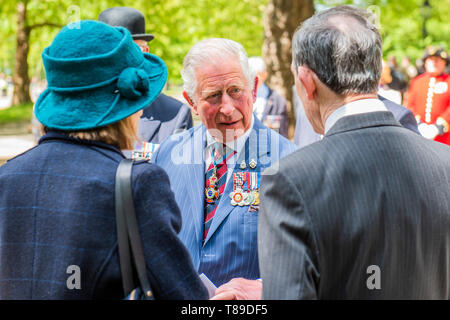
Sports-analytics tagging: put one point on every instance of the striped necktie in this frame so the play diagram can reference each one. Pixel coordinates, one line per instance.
(220, 169)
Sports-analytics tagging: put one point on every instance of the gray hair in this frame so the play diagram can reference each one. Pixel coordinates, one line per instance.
(210, 51)
(257, 65)
(342, 47)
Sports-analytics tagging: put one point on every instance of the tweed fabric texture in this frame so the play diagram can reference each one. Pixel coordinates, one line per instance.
(57, 210)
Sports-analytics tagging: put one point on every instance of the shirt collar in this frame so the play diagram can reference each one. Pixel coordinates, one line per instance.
(352, 108)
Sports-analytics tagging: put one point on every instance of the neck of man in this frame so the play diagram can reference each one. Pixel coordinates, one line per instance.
(333, 103)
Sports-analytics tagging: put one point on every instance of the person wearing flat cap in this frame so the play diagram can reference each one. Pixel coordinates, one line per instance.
(166, 115)
(57, 200)
(429, 96)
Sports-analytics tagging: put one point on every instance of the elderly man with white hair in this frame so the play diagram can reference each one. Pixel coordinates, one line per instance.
(269, 107)
(215, 168)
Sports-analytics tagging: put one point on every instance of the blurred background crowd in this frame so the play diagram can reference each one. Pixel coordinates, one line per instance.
(264, 27)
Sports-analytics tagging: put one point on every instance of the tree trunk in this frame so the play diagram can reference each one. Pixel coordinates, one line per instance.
(21, 78)
(281, 20)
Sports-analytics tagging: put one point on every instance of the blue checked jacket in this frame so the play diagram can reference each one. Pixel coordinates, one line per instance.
(230, 248)
(57, 211)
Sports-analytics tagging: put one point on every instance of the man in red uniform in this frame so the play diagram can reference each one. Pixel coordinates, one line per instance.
(429, 97)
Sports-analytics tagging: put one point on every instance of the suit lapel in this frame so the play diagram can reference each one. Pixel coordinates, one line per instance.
(261, 149)
(194, 173)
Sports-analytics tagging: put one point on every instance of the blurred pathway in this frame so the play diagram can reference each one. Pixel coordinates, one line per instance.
(5, 102)
(10, 146)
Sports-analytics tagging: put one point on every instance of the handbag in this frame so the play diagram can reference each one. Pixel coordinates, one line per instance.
(128, 237)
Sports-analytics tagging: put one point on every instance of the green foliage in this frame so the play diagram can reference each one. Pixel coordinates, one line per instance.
(176, 24)
(402, 21)
(20, 113)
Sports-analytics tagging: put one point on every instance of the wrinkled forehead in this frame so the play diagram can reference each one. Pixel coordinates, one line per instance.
(219, 74)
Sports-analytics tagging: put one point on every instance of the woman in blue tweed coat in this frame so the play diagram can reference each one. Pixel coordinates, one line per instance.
(57, 216)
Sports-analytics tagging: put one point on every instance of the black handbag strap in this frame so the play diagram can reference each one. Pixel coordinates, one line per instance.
(128, 232)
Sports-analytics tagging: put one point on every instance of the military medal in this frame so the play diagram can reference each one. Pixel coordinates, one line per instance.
(248, 198)
(238, 194)
(246, 185)
(212, 190)
(211, 195)
(237, 197)
(254, 207)
(256, 202)
(144, 150)
(245, 189)
(254, 180)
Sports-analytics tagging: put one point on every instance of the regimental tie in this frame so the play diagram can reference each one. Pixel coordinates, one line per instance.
(216, 178)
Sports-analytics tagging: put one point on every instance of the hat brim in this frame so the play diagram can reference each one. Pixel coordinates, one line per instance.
(80, 110)
(146, 37)
(426, 56)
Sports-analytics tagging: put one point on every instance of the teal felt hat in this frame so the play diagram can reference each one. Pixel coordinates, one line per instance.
(96, 76)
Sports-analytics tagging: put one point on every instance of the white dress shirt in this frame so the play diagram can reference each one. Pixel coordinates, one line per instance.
(352, 108)
(236, 145)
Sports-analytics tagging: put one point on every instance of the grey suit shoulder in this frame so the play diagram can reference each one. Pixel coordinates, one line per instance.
(369, 194)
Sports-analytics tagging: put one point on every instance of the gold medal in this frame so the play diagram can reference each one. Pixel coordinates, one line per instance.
(256, 197)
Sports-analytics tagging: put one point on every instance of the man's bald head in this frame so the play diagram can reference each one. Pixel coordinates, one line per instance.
(342, 47)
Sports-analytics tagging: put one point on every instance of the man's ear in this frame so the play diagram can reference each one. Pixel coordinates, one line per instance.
(191, 103)
(307, 79)
(255, 89)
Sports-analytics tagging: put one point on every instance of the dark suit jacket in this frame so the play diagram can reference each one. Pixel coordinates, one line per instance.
(276, 105)
(305, 134)
(57, 210)
(164, 117)
(371, 193)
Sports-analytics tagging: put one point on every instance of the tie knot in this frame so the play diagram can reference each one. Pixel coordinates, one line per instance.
(220, 151)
